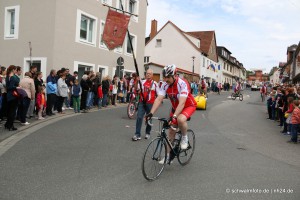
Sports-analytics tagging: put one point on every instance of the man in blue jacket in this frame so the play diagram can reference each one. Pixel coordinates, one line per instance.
(51, 92)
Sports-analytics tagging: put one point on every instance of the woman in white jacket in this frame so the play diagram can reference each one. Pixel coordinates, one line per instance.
(62, 93)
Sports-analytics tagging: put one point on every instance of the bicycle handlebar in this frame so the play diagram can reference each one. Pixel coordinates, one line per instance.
(149, 121)
(163, 120)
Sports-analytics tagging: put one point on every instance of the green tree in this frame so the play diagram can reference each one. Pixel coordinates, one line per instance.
(248, 72)
(272, 71)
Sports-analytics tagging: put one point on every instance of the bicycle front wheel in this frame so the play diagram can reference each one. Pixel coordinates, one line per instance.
(241, 97)
(155, 152)
(131, 109)
(233, 96)
(185, 156)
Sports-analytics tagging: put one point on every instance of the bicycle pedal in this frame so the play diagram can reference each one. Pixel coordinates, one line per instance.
(170, 161)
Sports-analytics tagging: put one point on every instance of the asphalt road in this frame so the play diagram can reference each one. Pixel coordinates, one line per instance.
(239, 155)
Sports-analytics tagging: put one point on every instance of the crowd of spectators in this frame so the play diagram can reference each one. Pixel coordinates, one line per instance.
(32, 97)
(283, 107)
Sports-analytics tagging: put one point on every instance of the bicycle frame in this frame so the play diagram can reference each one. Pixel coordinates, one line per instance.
(164, 137)
(158, 150)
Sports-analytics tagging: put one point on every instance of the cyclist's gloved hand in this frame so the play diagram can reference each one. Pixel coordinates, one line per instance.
(148, 116)
(172, 120)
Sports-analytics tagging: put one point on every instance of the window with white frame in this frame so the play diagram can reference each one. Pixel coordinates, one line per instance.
(11, 23)
(81, 67)
(133, 7)
(118, 5)
(86, 28)
(158, 43)
(128, 49)
(102, 44)
(146, 59)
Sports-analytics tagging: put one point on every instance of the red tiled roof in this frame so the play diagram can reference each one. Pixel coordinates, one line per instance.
(205, 37)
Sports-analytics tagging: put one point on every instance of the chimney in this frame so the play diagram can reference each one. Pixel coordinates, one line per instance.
(153, 28)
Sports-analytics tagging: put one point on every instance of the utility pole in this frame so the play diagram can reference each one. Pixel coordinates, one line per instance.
(193, 57)
(30, 54)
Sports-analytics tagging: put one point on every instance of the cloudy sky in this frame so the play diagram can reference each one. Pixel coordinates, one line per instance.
(257, 32)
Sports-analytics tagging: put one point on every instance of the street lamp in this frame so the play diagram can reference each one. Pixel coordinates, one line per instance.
(193, 57)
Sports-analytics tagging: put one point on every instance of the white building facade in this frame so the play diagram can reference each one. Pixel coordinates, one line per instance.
(274, 78)
(68, 34)
(171, 45)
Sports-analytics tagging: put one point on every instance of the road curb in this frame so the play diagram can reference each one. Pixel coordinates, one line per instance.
(48, 120)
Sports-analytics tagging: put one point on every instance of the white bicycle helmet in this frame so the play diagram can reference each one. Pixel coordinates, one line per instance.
(169, 70)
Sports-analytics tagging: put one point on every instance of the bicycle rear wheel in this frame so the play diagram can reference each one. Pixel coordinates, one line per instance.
(185, 156)
(156, 151)
(131, 109)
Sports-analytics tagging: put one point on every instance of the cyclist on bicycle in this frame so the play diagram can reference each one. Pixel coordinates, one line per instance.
(263, 90)
(237, 88)
(202, 86)
(183, 103)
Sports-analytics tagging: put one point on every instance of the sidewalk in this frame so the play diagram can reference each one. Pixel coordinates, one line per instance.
(4, 133)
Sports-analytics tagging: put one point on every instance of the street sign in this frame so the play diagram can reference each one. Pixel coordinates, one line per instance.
(120, 61)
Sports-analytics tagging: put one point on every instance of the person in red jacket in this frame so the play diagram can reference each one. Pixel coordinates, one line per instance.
(100, 96)
(295, 121)
(41, 102)
(289, 111)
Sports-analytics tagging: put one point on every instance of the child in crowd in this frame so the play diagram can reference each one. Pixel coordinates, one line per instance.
(100, 96)
(289, 111)
(76, 94)
(41, 102)
(295, 121)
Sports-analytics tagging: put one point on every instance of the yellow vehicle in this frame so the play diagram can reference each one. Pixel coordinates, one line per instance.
(201, 101)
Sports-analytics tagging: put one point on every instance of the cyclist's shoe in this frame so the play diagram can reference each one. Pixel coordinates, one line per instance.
(168, 161)
(184, 143)
(147, 136)
(136, 138)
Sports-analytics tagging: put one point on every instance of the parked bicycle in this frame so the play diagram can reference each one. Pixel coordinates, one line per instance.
(132, 105)
(237, 95)
(156, 151)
